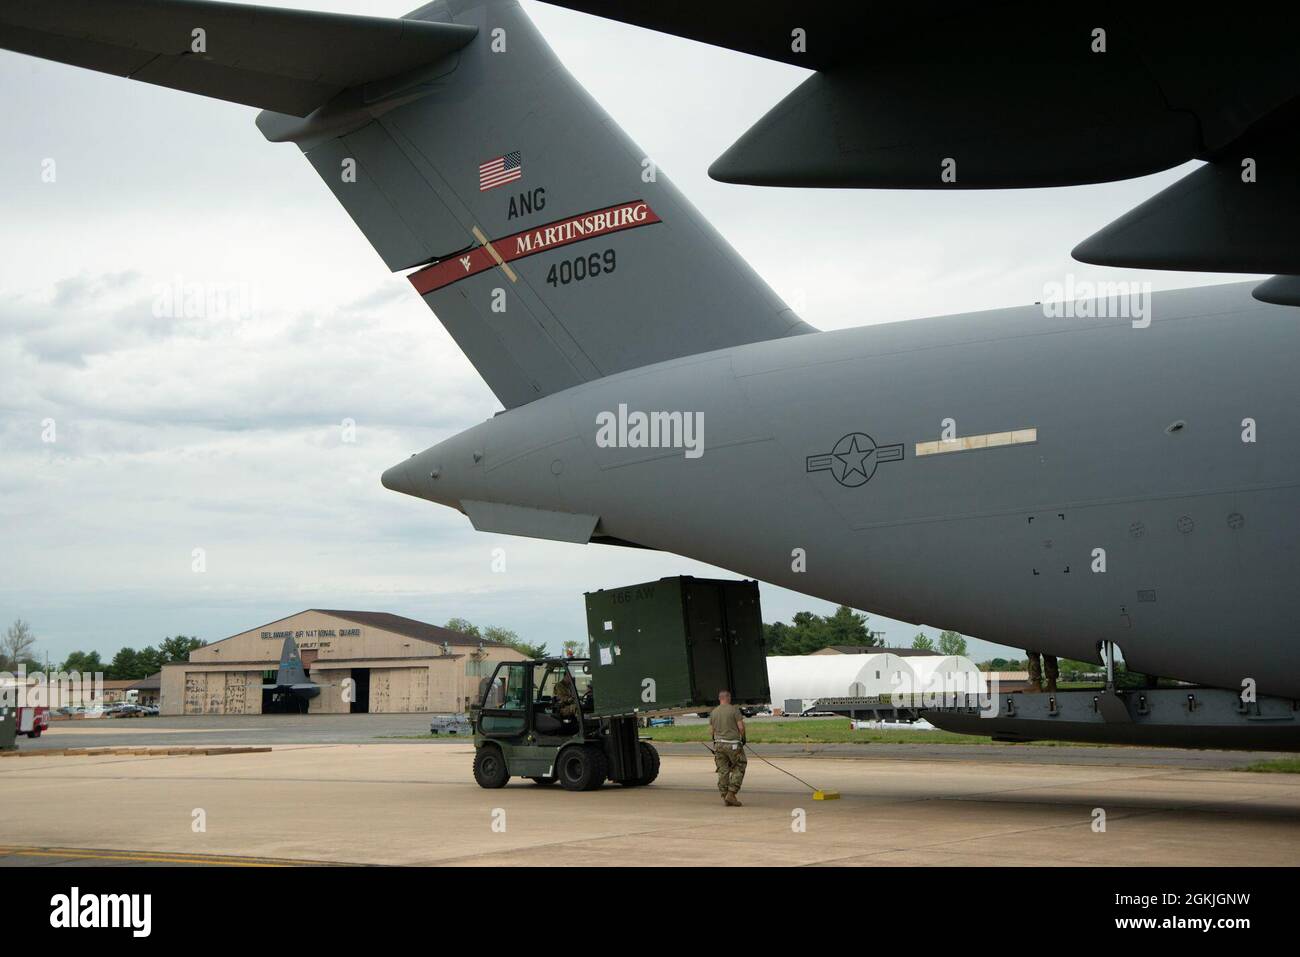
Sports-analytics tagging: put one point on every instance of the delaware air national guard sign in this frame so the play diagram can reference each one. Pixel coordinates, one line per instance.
(854, 458)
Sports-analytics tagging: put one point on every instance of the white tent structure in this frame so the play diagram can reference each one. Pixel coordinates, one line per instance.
(805, 678)
(797, 681)
(945, 673)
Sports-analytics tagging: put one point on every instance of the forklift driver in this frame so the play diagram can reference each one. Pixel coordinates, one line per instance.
(565, 702)
(561, 716)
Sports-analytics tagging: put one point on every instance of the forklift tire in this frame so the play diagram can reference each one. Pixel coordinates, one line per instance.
(544, 782)
(490, 769)
(650, 762)
(582, 768)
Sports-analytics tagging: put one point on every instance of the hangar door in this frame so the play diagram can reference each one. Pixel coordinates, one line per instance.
(223, 692)
(394, 690)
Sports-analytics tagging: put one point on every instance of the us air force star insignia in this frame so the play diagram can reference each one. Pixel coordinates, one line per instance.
(854, 459)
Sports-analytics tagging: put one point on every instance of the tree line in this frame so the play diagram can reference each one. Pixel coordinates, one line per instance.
(18, 645)
(809, 632)
(504, 635)
(130, 664)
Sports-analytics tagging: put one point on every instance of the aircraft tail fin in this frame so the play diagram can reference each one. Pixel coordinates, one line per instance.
(291, 671)
(549, 245)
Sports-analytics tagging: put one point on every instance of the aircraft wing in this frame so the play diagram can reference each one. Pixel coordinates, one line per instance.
(762, 27)
(978, 96)
(289, 61)
(1020, 94)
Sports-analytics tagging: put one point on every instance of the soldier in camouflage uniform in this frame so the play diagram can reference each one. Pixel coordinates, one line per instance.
(727, 726)
(565, 703)
(1036, 669)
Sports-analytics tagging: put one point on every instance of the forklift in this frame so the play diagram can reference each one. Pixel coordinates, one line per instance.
(535, 720)
(658, 649)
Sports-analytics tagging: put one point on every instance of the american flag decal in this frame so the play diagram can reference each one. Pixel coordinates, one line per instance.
(499, 171)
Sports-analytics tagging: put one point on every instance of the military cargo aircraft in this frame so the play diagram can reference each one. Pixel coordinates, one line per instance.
(1067, 477)
(292, 688)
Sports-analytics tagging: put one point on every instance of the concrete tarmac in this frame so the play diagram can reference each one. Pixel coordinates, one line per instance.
(413, 729)
(416, 803)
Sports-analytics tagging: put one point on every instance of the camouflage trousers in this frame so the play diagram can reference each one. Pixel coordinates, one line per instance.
(1051, 668)
(730, 761)
(1037, 666)
(1035, 669)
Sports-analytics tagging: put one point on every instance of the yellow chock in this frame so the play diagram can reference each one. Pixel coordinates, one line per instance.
(826, 795)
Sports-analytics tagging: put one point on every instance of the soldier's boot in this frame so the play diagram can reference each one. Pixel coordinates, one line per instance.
(726, 797)
(732, 800)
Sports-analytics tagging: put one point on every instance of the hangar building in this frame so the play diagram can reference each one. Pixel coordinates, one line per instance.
(396, 665)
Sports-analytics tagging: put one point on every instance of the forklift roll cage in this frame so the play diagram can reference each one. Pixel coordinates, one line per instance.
(519, 703)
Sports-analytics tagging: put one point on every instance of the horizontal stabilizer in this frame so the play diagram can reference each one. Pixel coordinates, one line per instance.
(290, 61)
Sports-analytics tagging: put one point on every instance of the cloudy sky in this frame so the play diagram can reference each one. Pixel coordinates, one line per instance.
(223, 433)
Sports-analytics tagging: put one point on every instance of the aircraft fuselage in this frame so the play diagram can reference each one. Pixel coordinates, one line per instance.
(1139, 485)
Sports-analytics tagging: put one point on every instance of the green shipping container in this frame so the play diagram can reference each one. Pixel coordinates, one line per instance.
(669, 646)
